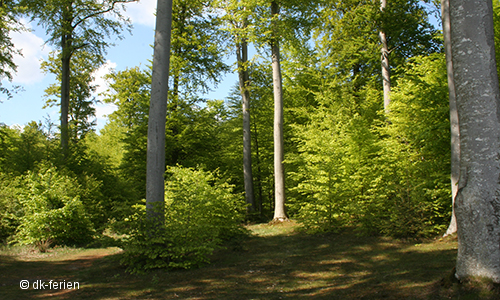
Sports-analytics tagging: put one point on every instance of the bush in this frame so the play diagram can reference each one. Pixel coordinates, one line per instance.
(382, 175)
(52, 210)
(9, 207)
(200, 213)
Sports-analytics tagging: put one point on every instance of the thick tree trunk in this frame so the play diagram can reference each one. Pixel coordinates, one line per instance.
(454, 130)
(242, 58)
(477, 205)
(386, 74)
(155, 185)
(279, 173)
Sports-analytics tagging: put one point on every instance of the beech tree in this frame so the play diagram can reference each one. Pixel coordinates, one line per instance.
(477, 206)
(155, 185)
(386, 73)
(244, 84)
(455, 134)
(279, 172)
(239, 18)
(74, 26)
(81, 110)
(196, 62)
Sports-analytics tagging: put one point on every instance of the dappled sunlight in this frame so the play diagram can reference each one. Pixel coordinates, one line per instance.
(277, 263)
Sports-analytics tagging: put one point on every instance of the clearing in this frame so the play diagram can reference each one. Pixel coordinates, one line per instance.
(276, 262)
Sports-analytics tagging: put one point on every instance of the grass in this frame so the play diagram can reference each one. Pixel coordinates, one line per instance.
(276, 262)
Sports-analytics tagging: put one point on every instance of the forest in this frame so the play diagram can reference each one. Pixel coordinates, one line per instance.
(340, 121)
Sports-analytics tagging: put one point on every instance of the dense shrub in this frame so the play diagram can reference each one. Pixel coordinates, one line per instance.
(200, 213)
(52, 210)
(10, 209)
(388, 174)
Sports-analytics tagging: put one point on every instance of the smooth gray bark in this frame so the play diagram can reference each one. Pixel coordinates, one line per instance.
(386, 73)
(454, 125)
(155, 185)
(279, 173)
(244, 81)
(477, 205)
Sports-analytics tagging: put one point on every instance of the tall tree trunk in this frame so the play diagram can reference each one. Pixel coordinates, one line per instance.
(155, 185)
(66, 53)
(279, 173)
(242, 58)
(455, 135)
(477, 205)
(259, 170)
(386, 74)
(65, 94)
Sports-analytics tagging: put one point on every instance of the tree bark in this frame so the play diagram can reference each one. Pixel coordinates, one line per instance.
(279, 173)
(477, 205)
(454, 125)
(242, 58)
(155, 185)
(66, 53)
(65, 94)
(259, 170)
(386, 73)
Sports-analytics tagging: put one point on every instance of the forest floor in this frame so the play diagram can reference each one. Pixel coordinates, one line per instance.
(275, 262)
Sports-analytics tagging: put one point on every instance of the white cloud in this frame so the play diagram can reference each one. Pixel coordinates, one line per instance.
(102, 84)
(142, 12)
(33, 51)
(103, 109)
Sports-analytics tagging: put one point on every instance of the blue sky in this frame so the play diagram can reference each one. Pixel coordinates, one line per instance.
(133, 50)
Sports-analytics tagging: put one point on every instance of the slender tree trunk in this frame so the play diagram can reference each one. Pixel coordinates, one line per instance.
(65, 94)
(386, 74)
(279, 173)
(477, 205)
(259, 170)
(455, 135)
(155, 185)
(66, 53)
(242, 58)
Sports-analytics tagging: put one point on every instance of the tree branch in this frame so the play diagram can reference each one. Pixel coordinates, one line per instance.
(100, 12)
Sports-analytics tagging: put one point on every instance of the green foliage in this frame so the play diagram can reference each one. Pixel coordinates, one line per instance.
(22, 149)
(9, 9)
(349, 43)
(388, 175)
(414, 160)
(81, 108)
(196, 58)
(52, 209)
(130, 92)
(10, 208)
(88, 24)
(201, 212)
(348, 164)
(331, 166)
(6, 146)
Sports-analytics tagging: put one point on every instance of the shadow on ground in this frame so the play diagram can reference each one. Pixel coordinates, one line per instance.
(282, 266)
